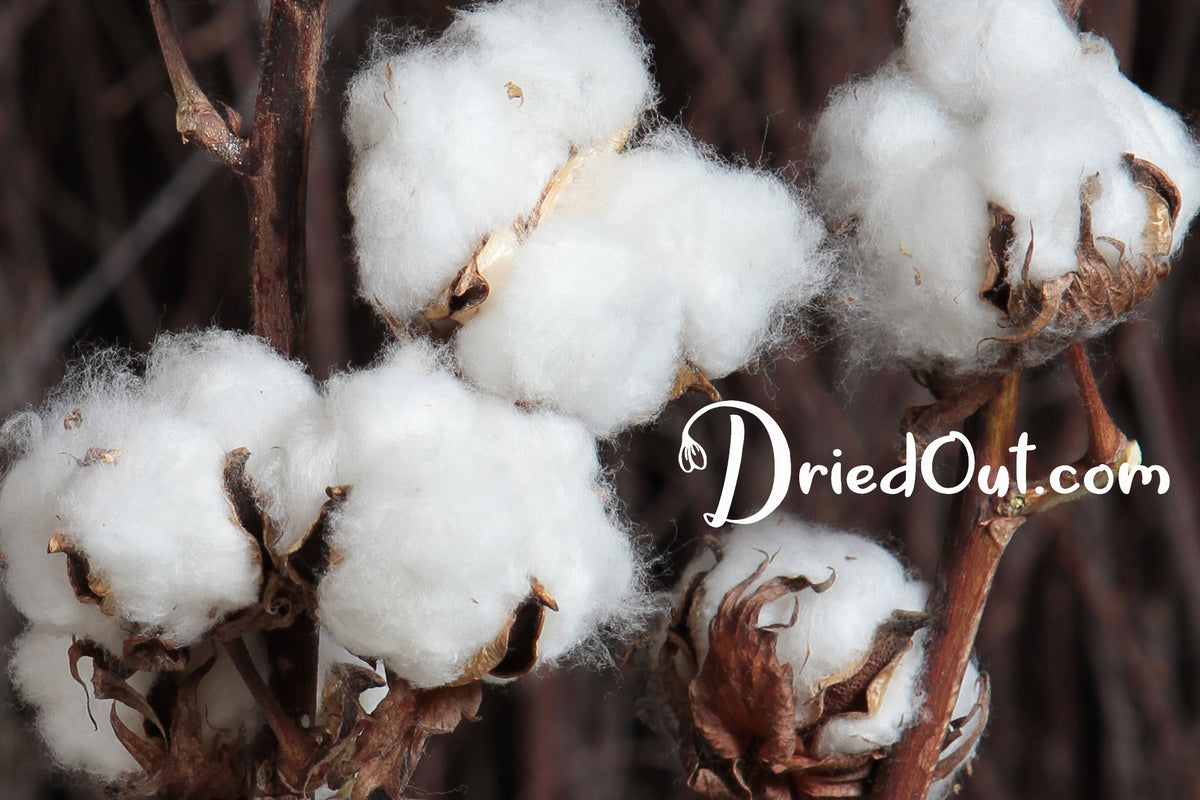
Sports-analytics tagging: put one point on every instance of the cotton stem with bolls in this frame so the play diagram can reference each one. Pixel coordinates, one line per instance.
(272, 162)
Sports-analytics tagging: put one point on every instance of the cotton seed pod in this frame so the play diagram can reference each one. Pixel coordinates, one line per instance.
(455, 138)
(705, 264)
(437, 551)
(1002, 189)
(126, 500)
(791, 663)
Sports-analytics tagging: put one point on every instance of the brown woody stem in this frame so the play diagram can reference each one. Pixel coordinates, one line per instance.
(275, 180)
(273, 166)
(1105, 440)
(295, 746)
(195, 116)
(970, 556)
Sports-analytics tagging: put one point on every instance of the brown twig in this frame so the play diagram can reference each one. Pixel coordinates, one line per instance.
(1105, 440)
(196, 118)
(295, 746)
(976, 541)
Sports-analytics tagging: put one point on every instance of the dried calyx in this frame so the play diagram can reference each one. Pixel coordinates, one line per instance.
(785, 682)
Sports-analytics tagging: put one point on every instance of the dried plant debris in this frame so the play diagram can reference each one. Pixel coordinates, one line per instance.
(787, 677)
(1002, 155)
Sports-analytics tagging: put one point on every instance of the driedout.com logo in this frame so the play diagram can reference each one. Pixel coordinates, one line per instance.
(861, 479)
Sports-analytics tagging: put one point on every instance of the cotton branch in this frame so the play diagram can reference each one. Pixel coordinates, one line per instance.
(974, 544)
(273, 165)
(195, 116)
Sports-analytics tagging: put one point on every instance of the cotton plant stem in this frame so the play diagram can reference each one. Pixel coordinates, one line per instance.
(273, 166)
(296, 748)
(970, 556)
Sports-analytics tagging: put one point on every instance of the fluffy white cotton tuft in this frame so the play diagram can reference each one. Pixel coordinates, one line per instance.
(988, 102)
(154, 522)
(580, 326)
(236, 385)
(456, 502)
(650, 258)
(40, 671)
(35, 580)
(974, 53)
(137, 491)
(457, 137)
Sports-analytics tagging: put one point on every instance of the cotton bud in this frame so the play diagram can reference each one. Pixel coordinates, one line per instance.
(792, 660)
(455, 138)
(448, 558)
(1004, 189)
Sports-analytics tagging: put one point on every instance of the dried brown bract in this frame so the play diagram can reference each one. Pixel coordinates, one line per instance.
(740, 733)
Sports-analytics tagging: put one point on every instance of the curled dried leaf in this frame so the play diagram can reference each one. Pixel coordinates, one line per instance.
(691, 379)
(741, 700)
(101, 455)
(89, 588)
(514, 650)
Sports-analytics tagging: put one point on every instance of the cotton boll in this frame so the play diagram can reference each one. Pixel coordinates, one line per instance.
(974, 53)
(834, 628)
(236, 385)
(36, 580)
(738, 245)
(40, 671)
(833, 612)
(581, 325)
(456, 138)
(1152, 131)
(1036, 152)
(153, 520)
(432, 542)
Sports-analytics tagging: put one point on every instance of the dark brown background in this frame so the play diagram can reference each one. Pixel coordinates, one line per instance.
(110, 231)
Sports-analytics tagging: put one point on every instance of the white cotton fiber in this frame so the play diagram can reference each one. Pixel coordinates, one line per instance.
(580, 326)
(236, 385)
(974, 52)
(1035, 153)
(650, 258)
(834, 629)
(737, 244)
(455, 138)
(988, 102)
(40, 671)
(36, 580)
(154, 521)
(456, 501)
